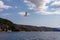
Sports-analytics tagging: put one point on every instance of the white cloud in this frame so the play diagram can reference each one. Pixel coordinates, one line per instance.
(3, 6)
(30, 4)
(41, 7)
(23, 13)
(56, 4)
(37, 3)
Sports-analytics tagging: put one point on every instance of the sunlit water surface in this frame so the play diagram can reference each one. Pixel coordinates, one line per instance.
(29, 35)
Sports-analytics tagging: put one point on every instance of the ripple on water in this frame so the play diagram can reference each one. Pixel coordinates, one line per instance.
(30, 36)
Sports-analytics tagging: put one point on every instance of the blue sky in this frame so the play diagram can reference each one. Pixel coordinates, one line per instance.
(40, 12)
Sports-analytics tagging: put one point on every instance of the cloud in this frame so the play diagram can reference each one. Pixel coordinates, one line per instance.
(30, 4)
(23, 13)
(56, 5)
(44, 7)
(3, 6)
(37, 3)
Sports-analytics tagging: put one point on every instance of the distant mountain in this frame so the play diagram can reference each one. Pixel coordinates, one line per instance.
(34, 28)
(6, 25)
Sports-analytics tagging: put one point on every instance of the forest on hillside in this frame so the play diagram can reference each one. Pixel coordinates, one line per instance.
(7, 25)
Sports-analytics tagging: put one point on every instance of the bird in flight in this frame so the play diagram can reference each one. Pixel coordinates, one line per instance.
(26, 14)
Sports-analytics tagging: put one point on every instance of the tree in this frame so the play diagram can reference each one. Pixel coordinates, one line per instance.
(6, 25)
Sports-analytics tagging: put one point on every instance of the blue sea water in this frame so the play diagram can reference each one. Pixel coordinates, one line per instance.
(29, 35)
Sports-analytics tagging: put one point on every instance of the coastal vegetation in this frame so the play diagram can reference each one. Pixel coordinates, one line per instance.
(8, 26)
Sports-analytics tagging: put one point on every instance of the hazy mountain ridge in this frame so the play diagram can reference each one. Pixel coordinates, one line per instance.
(6, 25)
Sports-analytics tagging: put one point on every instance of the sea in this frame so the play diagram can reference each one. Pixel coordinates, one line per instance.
(29, 35)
